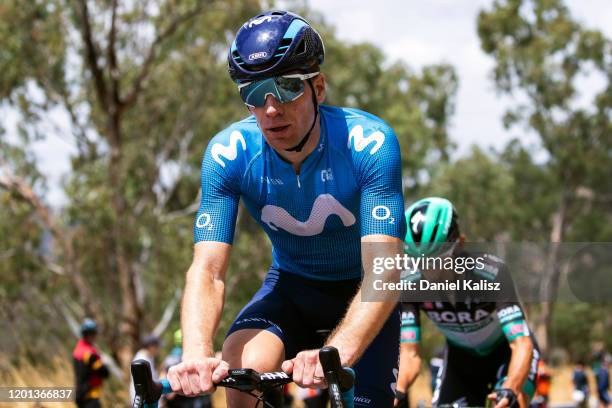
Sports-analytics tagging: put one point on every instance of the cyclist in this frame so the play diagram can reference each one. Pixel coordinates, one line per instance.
(488, 344)
(320, 180)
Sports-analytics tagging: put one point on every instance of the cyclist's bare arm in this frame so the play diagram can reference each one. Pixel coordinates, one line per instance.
(203, 298)
(520, 362)
(409, 366)
(200, 314)
(518, 369)
(363, 320)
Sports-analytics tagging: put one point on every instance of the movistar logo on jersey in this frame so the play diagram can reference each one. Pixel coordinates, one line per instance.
(324, 206)
(360, 142)
(229, 152)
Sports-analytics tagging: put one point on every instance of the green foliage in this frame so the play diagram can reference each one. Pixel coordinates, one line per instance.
(417, 105)
(540, 54)
(577, 326)
(480, 188)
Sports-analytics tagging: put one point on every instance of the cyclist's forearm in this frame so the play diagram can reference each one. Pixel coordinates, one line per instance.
(409, 368)
(369, 309)
(201, 312)
(361, 324)
(520, 363)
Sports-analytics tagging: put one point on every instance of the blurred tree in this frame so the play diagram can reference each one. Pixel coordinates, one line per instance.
(136, 82)
(479, 186)
(418, 105)
(139, 88)
(541, 54)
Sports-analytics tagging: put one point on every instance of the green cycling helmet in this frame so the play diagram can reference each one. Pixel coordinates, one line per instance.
(178, 338)
(431, 224)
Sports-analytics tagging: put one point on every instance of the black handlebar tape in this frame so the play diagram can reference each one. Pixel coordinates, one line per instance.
(330, 361)
(143, 382)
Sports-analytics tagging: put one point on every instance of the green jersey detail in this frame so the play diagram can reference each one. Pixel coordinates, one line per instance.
(476, 325)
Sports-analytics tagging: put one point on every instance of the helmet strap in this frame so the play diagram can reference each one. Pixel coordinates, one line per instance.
(298, 147)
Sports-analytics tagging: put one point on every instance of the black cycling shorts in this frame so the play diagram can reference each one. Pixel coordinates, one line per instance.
(299, 310)
(466, 379)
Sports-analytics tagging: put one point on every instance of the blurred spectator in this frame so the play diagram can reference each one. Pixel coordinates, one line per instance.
(543, 382)
(596, 358)
(175, 400)
(581, 385)
(149, 349)
(602, 377)
(89, 371)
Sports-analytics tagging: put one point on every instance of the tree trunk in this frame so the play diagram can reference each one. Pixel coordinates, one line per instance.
(129, 322)
(550, 284)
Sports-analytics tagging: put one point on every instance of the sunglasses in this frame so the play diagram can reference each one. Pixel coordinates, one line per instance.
(285, 88)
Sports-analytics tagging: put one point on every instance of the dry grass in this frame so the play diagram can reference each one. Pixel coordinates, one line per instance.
(58, 374)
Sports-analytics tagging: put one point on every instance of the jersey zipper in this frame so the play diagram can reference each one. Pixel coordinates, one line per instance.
(298, 180)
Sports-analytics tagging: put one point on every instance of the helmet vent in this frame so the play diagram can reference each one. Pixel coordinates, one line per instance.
(301, 47)
(434, 232)
(282, 47)
(237, 58)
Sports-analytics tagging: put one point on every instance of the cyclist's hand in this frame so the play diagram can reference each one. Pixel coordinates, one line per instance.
(503, 403)
(401, 400)
(197, 376)
(508, 401)
(306, 369)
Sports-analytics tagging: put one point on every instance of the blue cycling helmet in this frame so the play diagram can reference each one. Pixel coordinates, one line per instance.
(274, 43)
(89, 326)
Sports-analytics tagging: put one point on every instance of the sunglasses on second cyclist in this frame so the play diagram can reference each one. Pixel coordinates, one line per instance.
(285, 88)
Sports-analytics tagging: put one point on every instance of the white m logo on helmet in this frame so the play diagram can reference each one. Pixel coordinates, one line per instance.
(230, 151)
(258, 21)
(360, 142)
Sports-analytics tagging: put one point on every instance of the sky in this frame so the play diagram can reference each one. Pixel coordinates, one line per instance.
(417, 32)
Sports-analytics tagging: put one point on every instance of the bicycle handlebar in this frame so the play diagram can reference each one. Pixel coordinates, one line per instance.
(339, 380)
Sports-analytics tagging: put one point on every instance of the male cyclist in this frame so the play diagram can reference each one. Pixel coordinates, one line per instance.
(320, 180)
(490, 352)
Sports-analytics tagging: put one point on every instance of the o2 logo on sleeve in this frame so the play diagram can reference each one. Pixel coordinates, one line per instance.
(203, 221)
(382, 213)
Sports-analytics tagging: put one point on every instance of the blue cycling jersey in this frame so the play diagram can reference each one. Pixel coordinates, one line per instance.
(348, 187)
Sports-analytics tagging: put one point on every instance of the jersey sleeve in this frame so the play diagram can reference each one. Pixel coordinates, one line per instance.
(220, 178)
(509, 309)
(376, 155)
(410, 331)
